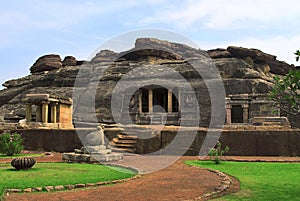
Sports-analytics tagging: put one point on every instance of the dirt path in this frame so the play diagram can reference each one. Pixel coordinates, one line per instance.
(177, 182)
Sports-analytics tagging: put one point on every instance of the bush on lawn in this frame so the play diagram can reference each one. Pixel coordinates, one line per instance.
(10, 143)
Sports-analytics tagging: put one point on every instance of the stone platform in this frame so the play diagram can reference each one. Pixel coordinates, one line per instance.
(91, 158)
(94, 150)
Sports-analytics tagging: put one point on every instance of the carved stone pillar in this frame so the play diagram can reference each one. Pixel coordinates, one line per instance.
(228, 114)
(45, 112)
(39, 113)
(170, 101)
(53, 113)
(150, 100)
(245, 113)
(28, 112)
(140, 102)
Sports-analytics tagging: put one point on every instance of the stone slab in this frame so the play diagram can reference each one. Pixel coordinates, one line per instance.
(87, 158)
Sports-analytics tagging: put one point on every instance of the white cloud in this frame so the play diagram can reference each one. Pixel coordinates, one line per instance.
(281, 46)
(220, 14)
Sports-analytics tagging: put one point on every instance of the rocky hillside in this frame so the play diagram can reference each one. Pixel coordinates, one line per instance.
(243, 71)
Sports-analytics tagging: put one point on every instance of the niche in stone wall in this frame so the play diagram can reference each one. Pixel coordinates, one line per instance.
(237, 114)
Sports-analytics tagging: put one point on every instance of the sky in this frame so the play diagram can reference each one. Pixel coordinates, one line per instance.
(32, 28)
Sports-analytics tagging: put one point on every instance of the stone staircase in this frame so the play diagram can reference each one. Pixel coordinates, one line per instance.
(126, 141)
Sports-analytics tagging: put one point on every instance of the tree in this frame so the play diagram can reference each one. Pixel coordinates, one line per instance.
(286, 91)
(297, 53)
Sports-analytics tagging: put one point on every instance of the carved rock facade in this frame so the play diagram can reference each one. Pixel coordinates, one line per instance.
(243, 71)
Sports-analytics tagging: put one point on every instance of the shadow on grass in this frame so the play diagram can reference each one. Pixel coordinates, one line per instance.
(20, 155)
(27, 170)
(206, 162)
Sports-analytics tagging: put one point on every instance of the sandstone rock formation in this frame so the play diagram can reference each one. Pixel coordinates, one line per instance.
(242, 70)
(276, 67)
(184, 51)
(105, 56)
(218, 53)
(69, 61)
(46, 63)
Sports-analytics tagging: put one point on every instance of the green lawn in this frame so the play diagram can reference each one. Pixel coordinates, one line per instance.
(52, 174)
(260, 181)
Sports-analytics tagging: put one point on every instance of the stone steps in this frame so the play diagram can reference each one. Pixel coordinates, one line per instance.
(127, 137)
(124, 143)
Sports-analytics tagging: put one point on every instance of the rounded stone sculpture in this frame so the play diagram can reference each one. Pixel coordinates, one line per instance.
(93, 139)
(23, 163)
(96, 138)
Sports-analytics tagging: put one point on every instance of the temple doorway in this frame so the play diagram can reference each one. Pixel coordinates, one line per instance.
(160, 100)
(156, 105)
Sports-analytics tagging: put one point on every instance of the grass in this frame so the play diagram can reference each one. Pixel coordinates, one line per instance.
(21, 155)
(260, 181)
(52, 174)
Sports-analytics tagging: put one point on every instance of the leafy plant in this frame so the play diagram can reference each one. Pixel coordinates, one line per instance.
(217, 153)
(297, 53)
(286, 91)
(10, 143)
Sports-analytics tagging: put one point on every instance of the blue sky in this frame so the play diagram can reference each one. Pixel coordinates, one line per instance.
(32, 28)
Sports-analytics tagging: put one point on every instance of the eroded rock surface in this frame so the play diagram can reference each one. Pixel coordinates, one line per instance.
(242, 70)
(46, 63)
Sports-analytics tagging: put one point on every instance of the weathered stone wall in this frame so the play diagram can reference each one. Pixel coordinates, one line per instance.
(294, 120)
(247, 143)
(65, 116)
(50, 140)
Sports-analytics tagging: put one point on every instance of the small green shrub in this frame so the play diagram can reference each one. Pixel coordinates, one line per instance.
(217, 153)
(10, 143)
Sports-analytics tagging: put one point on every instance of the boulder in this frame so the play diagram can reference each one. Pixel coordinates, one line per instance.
(255, 54)
(46, 63)
(184, 51)
(69, 61)
(280, 67)
(218, 53)
(149, 55)
(261, 59)
(105, 56)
